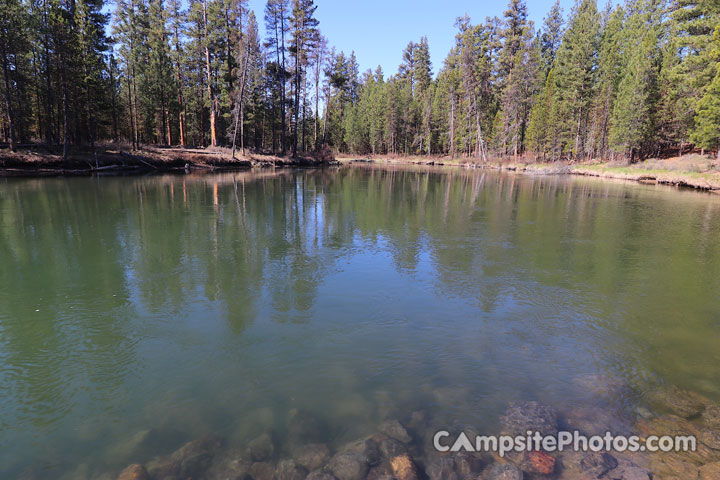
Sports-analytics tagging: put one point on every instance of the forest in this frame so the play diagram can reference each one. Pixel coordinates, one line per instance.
(627, 81)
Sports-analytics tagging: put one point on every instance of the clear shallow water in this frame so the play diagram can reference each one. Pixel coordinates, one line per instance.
(189, 304)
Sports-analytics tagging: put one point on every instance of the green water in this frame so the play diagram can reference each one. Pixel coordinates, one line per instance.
(191, 304)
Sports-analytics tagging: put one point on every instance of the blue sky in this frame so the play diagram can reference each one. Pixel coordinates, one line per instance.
(379, 30)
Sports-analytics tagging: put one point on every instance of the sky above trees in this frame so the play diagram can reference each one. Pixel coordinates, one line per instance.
(379, 30)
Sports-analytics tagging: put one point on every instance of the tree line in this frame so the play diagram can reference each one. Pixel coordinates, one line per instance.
(626, 81)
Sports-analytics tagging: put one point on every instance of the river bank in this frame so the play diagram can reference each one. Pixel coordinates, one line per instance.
(40, 161)
(692, 171)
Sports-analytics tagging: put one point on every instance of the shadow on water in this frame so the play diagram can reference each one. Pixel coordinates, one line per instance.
(139, 313)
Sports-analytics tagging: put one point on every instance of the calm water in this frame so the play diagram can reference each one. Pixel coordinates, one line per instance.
(189, 304)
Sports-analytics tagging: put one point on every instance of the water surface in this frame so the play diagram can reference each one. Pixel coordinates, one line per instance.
(189, 304)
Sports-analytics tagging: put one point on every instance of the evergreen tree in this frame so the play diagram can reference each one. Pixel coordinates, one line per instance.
(706, 133)
(305, 36)
(610, 69)
(551, 36)
(575, 80)
(633, 117)
(276, 25)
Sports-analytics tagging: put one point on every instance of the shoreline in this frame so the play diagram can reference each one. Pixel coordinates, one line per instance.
(118, 161)
(34, 162)
(701, 181)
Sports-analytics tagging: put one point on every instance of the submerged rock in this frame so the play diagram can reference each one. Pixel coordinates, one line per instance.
(134, 472)
(262, 471)
(189, 461)
(418, 421)
(389, 447)
(711, 417)
(230, 466)
(601, 385)
(681, 402)
(441, 468)
(320, 475)
(312, 456)
(667, 425)
(467, 464)
(394, 429)
(303, 427)
(522, 417)
(597, 421)
(711, 471)
(403, 468)
(711, 439)
(367, 448)
(538, 462)
(503, 471)
(596, 464)
(349, 466)
(289, 470)
(261, 448)
(629, 473)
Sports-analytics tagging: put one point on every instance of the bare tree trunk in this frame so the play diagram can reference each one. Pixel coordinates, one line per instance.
(181, 106)
(297, 95)
(134, 107)
(452, 124)
(328, 103)
(281, 50)
(318, 64)
(8, 102)
(132, 120)
(114, 102)
(66, 131)
(208, 72)
(240, 113)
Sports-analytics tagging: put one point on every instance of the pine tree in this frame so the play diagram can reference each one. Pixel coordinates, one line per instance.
(706, 133)
(13, 22)
(551, 36)
(177, 25)
(305, 35)
(276, 25)
(633, 117)
(159, 72)
(575, 80)
(688, 69)
(539, 128)
(610, 69)
(520, 89)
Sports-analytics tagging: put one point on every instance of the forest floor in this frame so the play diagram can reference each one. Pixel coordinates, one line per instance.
(38, 160)
(692, 170)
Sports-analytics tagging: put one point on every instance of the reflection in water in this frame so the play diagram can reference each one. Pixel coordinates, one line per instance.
(187, 304)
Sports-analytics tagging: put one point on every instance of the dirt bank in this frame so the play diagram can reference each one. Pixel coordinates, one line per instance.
(40, 161)
(692, 171)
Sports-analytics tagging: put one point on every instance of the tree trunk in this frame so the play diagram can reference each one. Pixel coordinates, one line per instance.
(452, 124)
(297, 94)
(132, 120)
(282, 89)
(134, 109)
(181, 106)
(114, 102)
(318, 62)
(208, 72)
(8, 102)
(240, 107)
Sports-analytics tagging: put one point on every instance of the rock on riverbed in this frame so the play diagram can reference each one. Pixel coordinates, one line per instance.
(401, 449)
